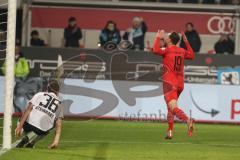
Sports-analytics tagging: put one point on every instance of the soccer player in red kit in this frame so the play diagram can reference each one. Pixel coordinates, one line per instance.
(173, 76)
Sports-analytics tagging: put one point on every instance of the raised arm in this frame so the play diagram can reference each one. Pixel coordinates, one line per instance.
(156, 48)
(144, 25)
(189, 54)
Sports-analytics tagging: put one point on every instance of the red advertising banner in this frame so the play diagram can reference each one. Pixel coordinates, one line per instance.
(95, 18)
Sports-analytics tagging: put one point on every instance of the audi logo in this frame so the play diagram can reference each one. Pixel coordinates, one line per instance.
(217, 25)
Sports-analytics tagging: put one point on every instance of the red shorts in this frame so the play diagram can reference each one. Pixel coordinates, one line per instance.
(172, 91)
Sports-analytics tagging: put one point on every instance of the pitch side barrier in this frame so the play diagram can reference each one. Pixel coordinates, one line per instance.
(127, 85)
(125, 65)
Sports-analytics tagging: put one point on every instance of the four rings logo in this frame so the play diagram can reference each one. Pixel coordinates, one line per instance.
(218, 24)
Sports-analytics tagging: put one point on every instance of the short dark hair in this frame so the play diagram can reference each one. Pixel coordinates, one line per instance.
(53, 86)
(190, 23)
(111, 22)
(174, 37)
(34, 33)
(71, 19)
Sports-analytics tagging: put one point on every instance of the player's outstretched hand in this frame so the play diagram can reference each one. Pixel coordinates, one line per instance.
(18, 131)
(160, 34)
(54, 145)
(184, 37)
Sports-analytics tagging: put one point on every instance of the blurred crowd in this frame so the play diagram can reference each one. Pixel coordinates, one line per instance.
(136, 35)
(110, 33)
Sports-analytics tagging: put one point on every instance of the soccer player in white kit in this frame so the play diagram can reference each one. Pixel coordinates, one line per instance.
(43, 113)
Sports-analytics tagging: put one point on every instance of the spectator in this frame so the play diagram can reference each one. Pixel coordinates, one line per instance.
(162, 43)
(110, 33)
(193, 38)
(35, 40)
(3, 38)
(224, 45)
(136, 34)
(72, 33)
(21, 64)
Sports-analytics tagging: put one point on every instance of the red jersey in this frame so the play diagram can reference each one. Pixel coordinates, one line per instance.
(173, 61)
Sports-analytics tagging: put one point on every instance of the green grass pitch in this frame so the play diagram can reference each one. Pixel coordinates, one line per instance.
(122, 140)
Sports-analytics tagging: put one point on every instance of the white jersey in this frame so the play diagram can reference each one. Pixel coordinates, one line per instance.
(46, 109)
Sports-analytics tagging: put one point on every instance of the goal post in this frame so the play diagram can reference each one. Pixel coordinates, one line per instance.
(9, 77)
(237, 33)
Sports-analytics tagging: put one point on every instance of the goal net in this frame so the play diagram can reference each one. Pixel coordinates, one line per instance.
(7, 48)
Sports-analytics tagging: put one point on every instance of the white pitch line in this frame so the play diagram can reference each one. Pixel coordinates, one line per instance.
(159, 143)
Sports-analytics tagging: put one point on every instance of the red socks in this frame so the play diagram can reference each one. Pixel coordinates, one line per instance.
(180, 114)
(170, 119)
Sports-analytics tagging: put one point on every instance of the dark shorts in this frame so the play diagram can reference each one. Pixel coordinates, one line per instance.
(30, 128)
